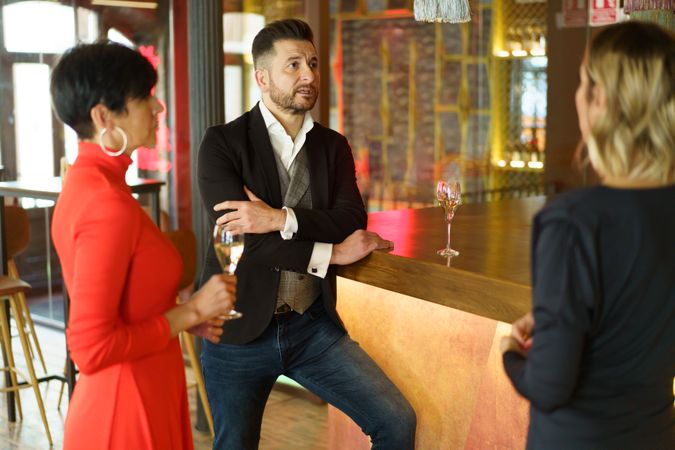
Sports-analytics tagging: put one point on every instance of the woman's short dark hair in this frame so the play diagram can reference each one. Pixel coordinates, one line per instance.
(103, 72)
(287, 29)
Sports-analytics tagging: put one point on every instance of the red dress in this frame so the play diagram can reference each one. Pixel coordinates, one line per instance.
(122, 276)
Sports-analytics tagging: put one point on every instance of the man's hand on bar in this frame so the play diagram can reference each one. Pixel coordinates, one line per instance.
(358, 245)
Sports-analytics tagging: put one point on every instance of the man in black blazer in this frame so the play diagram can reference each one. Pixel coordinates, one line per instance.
(289, 185)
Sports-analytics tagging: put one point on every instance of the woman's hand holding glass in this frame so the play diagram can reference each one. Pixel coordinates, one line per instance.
(214, 300)
(202, 313)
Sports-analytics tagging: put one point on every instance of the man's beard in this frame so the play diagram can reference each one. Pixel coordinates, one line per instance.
(287, 103)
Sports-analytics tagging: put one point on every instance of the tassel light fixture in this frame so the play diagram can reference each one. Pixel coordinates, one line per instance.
(450, 11)
(656, 11)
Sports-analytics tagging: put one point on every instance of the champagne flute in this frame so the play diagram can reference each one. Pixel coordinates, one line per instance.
(229, 248)
(449, 195)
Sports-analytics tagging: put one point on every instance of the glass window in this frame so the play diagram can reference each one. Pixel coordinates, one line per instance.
(33, 140)
(33, 121)
(241, 91)
(38, 27)
(233, 97)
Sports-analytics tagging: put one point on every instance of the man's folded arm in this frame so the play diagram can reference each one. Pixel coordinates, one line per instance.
(219, 179)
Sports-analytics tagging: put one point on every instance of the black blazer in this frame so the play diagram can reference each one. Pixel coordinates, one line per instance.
(240, 153)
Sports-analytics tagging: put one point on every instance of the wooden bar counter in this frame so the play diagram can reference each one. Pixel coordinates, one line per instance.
(434, 325)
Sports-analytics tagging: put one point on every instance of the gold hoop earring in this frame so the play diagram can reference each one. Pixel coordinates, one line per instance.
(124, 142)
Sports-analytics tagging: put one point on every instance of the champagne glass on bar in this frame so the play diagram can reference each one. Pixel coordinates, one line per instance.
(449, 195)
(229, 248)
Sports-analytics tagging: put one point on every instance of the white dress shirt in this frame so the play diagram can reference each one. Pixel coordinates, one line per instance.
(287, 149)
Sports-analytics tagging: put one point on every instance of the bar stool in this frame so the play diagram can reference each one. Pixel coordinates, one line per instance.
(9, 290)
(186, 244)
(18, 235)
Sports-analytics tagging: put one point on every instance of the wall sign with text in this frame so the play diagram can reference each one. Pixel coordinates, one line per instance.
(580, 13)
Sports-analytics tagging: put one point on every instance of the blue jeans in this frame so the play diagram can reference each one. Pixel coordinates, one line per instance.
(313, 351)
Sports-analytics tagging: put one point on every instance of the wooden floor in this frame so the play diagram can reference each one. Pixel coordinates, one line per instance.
(290, 422)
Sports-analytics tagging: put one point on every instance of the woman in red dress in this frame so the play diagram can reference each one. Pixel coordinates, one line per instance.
(121, 273)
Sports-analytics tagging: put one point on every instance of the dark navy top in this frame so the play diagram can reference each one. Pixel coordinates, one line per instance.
(600, 372)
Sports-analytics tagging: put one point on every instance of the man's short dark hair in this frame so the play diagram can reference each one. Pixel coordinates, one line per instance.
(287, 29)
(103, 72)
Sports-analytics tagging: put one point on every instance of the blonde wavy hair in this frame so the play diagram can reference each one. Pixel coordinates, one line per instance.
(635, 138)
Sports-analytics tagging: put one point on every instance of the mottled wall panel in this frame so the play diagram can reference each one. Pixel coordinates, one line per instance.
(446, 362)
(367, 45)
(415, 99)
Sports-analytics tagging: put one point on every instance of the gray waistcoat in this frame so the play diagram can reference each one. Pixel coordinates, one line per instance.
(297, 290)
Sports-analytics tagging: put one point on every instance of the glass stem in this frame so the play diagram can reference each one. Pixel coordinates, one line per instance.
(449, 227)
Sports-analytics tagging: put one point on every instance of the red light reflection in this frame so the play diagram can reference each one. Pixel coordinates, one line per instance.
(400, 226)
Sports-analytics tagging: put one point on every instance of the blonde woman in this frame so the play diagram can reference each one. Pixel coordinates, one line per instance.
(596, 356)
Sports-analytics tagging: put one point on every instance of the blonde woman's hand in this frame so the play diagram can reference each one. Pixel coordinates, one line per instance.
(520, 339)
(521, 331)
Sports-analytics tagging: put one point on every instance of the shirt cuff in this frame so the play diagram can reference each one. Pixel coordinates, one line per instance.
(320, 260)
(291, 225)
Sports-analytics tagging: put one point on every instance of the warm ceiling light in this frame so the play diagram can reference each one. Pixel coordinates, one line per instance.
(125, 4)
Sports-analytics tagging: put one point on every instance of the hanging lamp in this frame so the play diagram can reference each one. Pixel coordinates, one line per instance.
(450, 11)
